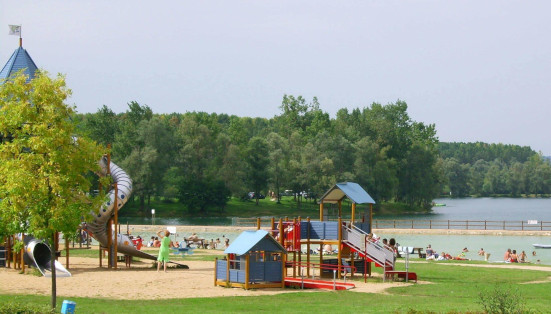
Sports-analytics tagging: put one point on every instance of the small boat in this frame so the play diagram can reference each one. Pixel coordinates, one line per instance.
(542, 246)
(438, 204)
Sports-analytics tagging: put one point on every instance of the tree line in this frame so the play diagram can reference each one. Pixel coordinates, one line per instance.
(203, 159)
(494, 169)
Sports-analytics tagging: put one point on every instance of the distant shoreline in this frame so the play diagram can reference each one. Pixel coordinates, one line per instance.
(134, 229)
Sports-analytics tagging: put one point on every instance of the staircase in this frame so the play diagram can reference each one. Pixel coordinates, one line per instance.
(380, 254)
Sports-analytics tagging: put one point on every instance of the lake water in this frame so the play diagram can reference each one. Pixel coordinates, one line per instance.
(494, 209)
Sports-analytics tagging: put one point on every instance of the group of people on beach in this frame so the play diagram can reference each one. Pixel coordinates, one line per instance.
(431, 254)
(513, 257)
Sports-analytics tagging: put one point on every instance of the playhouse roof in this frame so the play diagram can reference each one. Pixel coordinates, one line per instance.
(20, 59)
(347, 189)
(259, 240)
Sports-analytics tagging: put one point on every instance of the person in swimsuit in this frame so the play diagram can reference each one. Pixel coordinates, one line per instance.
(164, 251)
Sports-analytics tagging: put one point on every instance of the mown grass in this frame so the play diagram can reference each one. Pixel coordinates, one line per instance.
(451, 289)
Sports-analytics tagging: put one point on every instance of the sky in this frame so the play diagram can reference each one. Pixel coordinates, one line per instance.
(478, 70)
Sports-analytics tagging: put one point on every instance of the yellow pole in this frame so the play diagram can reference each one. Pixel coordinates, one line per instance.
(22, 252)
(321, 211)
(247, 269)
(370, 217)
(308, 249)
(353, 213)
(339, 254)
(228, 269)
(281, 235)
(215, 269)
(258, 223)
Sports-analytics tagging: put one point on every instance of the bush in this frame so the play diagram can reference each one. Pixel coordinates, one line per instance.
(502, 300)
(24, 308)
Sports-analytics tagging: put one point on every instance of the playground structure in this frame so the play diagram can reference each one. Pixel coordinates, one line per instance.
(356, 249)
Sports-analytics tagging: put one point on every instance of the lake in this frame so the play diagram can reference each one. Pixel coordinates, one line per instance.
(496, 209)
(511, 209)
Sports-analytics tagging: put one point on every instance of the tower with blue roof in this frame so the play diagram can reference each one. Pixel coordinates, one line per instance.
(20, 59)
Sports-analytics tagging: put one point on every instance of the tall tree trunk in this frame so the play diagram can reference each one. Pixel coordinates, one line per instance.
(52, 267)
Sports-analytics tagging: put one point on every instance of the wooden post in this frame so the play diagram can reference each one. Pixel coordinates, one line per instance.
(116, 222)
(272, 226)
(258, 223)
(339, 254)
(300, 246)
(370, 217)
(353, 213)
(67, 251)
(215, 269)
(14, 255)
(247, 270)
(8, 252)
(22, 252)
(321, 211)
(228, 269)
(339, 203)
(308, 248)
(284, 270)
(109, 243)
(281, 235)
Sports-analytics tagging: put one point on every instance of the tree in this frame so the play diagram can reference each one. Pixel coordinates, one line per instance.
(43, 183)
(257, 159)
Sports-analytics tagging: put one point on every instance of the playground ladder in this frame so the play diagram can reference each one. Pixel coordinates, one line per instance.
(356, 238)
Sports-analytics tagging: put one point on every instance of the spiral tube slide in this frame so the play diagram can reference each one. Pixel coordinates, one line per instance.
(98, 227)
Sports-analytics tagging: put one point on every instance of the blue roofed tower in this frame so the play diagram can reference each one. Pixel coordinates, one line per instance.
(20, 59)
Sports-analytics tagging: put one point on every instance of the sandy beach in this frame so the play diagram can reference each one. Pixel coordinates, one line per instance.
(141, 281)
(136, 229)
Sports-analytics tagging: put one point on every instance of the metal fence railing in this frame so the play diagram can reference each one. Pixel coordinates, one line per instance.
(523, 225)
(518, 225)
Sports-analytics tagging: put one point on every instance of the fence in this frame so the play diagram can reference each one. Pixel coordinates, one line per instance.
(518, 225)
(529, 225)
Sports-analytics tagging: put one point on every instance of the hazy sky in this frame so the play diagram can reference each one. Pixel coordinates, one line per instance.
(479, 70)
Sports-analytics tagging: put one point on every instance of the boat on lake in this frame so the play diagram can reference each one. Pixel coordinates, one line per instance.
(542, 246)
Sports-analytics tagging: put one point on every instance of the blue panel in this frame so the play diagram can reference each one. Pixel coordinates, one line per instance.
(241, 275)
(221, 270)
(317, 230)
(364, 226)
(20, 59)
(273, 271)
(233, 275)
(256, 272)
(355, 192)
(331, 230)
(304, 226)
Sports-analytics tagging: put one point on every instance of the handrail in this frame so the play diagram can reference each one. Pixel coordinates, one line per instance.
(357, 238)
(323, 266)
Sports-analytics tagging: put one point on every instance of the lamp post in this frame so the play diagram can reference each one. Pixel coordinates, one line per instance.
(152, 216)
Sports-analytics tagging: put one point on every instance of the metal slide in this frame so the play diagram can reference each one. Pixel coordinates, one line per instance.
(98, 227)
(39, 253)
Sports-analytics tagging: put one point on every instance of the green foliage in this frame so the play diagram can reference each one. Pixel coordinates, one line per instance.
(23, 308)
(502, 300)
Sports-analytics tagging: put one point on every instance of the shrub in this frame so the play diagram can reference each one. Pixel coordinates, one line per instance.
(502, 300)
(24, 308)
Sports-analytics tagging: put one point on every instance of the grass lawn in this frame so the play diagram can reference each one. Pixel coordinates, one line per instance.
(451, 289)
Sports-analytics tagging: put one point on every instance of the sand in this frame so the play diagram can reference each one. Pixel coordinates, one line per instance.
(141, 282)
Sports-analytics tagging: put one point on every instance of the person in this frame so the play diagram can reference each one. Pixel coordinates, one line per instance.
(385, 241)
(392, 246)
(150, 243)
(328, 249)
(465, 250)
(514, 257)
(193, 237)
(533, 253)
(522, 257)
(164, 251)
(481, 252)
(227, 242)
(157, 242)
(212, 245)
(217, 242)
(507, 256)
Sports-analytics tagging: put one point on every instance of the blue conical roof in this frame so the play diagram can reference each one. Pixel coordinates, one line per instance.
(20, 59)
